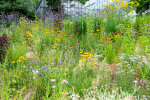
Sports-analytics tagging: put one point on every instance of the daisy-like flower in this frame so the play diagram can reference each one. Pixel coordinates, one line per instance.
(71, 46)
(93, 63)
(78, 42)
(64, 82)
(53, 80)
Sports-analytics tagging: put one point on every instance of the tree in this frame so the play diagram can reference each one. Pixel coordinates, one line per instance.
(22, 7)
(143, 5)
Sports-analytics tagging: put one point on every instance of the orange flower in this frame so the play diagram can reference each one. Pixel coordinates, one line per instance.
(94, 33)
(84, 45)
(13, 62)
(12, 36)
(106, 38)
(102, 30)
(101, 36)
(109, 38)
(97, 30)
(71, 46)
(118, 32)
(78, 42)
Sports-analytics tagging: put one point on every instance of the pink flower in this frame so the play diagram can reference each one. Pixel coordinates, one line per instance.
(64, 82)
(53, 80)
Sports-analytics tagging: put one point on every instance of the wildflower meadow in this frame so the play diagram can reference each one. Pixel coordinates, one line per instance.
(96, 57)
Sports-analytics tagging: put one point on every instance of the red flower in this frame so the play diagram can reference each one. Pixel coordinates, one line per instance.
(12, 36)
(71, 46)
(84, 45)
(78, 42)
(122, 34)
(114, 33)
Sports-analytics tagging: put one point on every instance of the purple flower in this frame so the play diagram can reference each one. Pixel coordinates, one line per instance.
(57, 71)
(24, 66)
(47, 69)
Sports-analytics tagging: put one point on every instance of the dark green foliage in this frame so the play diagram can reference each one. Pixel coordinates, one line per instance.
(3, 45)
(111, 24)
(16, 6)
(83, 1)
(144, 5)
(80, 27)
(97, 24)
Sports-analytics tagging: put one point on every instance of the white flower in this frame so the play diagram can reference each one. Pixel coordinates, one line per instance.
(135, 81)
(34, 72)
(53, 86)
(118, 64)
(24, 66)
(64, 82)
(53, 80)
(126, 62)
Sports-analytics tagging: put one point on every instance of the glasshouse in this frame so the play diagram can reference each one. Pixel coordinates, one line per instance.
(74, 49)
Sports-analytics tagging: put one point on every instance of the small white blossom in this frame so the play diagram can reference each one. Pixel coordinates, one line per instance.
(53, 86)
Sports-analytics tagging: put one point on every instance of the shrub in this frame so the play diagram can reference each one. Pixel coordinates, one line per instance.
(3, 45)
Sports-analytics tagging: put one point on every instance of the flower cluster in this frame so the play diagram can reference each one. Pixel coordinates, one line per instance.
(22, 58)
(85, 55)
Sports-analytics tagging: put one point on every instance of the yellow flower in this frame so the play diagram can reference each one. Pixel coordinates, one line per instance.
(29, 39)
(35, 41)
(18, 60)
(83, 59)
(55, 46)
(47, 32)
(24, 42)
(13, 62)
(35, 28)
(64, 93)
(81, 52)
(29, 33)
(90, 55)
(103, 5)
(93, 63)
(52, 31)
(104, 12)
(110, 7)
(117, 0)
